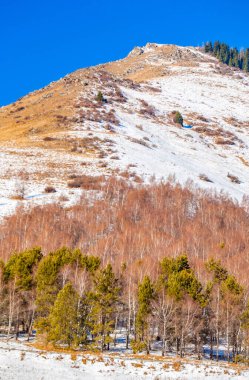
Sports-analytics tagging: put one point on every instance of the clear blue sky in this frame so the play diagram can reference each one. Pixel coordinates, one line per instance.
(42, 40)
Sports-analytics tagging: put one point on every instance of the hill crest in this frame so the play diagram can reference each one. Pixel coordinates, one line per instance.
(62, 131)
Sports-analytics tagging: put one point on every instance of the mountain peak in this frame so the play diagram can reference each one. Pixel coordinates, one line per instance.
(66, 131)
(150, 46)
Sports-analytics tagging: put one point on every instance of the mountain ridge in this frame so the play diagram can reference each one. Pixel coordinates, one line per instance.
(62, 130)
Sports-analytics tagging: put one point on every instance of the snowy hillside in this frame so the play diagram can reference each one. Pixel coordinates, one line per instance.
(132, 128)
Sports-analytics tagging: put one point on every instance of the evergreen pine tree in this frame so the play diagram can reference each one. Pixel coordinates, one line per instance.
(229, 56)
(100, 97)
(208, 47)
(177, 118)
(18, 275)
(224, 54)
(64, 318)
(104, 301)
(21, 267)
(235, 57)
(146, 294)
(216, 48)
(49, 284)
(246, 60)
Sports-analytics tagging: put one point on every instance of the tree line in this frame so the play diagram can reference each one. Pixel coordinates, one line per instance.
(138, 225)
(229, 55)
(72, 299)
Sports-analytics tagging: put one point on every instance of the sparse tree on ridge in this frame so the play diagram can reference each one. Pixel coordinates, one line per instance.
(229, 56)
(246, 61)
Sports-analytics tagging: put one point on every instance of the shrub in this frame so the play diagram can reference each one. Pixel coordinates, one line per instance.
(49, 138)
(205, 178)
(202, 118)
(176, 366)
(240, 359)
(233, 178)
(222, 141)
(74, 356)
(63, 198)
(139, 141)
(76, 183)
(20, 109)
(147, 110)
(177, 118)
(72, 176)
(100, 97)
(50, 189)
(86, 182)
(137, 346)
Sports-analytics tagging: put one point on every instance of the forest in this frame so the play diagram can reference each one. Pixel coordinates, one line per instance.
(229, 55)
(163, 263)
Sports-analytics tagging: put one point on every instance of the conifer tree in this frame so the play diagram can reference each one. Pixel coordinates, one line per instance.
(146, 294)
(49, 284)
(18, 274)
(220, 275)
(246, 61)
(20, 266)
(64, 318)
(51, 277)
(104, 302)
(216, 48)
(208, 47)
(181, 284)
(178, 119)
(100, 97)
(229, 56)
(234, 57)
(232, 305)
(224, 53)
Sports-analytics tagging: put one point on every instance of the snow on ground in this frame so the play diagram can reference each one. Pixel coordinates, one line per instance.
(23, 362)
(185, 152)
(154, 147)
(180, 152)
(148, 145)
(27, 172)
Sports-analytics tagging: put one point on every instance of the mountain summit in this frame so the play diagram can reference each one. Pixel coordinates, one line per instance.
(119, 118)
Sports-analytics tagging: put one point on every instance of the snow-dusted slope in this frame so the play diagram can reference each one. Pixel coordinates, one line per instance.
(18, 361)
(213, 99)
(133, 130)
(188, 153)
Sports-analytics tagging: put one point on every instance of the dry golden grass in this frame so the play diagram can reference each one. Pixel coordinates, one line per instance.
(137, 365)
(137, 69)
(39, 119)
(147, 73)
(40, 114)
(17, 198)
(84, 361)
(166, 361)
(245, 162)
(186, 64)
(73, 356)
(177, 366)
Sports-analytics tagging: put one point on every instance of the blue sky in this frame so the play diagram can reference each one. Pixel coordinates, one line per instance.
(42, 41)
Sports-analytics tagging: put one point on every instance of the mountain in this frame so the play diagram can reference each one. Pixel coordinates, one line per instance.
(118, 118)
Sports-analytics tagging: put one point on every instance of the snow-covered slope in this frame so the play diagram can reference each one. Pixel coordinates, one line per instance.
(18, 361)
(134, 130)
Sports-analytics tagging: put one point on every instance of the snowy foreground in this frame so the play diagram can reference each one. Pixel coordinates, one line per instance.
(21, 361)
